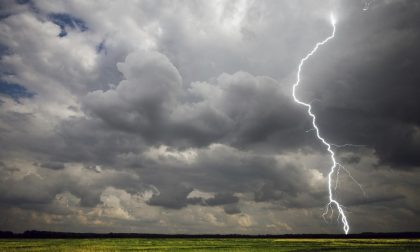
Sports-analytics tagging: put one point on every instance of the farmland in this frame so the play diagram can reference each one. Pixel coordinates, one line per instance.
(209, 244)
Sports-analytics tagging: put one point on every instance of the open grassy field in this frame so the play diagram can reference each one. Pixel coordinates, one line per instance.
(242, 244)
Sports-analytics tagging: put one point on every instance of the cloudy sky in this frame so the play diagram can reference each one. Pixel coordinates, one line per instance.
(177, 116)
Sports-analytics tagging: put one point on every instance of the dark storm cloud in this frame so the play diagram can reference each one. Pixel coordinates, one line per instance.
(178, 117)
(351, 160)
(222, 199)
(171, 196)
(52, 165)
(90, 141)
(239, 109)
(35, 189)
(225, 171)
(231, 209)
(368, 92)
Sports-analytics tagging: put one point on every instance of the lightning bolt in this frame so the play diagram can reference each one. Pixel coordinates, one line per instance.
(332, 201)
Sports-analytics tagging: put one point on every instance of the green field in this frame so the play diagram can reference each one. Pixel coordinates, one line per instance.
(244, 244)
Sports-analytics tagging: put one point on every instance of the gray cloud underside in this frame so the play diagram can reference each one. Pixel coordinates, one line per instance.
(177, 116)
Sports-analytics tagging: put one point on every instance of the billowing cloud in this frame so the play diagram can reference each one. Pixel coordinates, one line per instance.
(178, 117)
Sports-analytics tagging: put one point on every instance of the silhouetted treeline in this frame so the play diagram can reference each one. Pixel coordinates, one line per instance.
(48, 234)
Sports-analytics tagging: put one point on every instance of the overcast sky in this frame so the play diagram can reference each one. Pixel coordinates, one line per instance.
(177, 116)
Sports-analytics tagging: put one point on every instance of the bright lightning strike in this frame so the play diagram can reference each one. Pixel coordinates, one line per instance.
(334, 165)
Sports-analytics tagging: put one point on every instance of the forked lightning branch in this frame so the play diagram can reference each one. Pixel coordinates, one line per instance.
(335, 166)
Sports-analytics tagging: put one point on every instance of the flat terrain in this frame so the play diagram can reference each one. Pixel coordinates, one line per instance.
(209, 244)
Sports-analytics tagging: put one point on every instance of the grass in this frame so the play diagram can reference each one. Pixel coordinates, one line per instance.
(229, 244)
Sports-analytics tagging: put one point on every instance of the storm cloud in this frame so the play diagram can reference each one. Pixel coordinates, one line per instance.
(177, 117)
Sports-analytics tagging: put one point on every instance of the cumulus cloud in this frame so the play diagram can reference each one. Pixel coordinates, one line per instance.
(177, 117)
